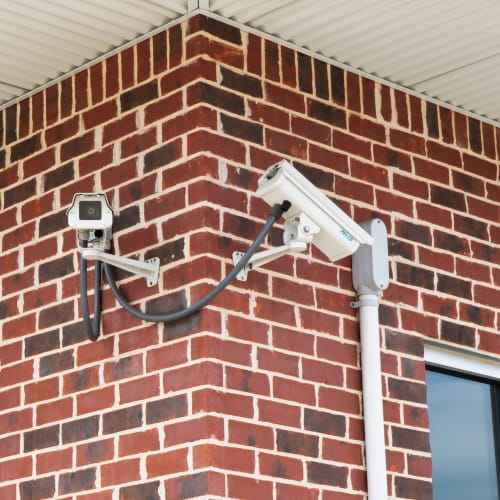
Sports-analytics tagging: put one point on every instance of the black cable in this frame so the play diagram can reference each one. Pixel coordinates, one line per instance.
(275, 214)
(92, 327)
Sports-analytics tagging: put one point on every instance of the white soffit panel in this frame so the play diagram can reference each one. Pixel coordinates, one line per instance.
(446, 49)
(41, 40)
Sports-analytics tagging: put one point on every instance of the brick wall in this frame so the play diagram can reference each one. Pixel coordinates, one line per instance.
(258, 395)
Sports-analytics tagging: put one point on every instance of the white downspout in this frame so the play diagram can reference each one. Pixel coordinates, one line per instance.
(370, 276)
(372, 397)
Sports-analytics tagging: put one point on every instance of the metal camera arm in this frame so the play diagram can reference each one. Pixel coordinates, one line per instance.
(93, 245)
(299, 231)
(149, 269)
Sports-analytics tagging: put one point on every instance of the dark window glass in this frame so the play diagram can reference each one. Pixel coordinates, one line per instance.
(464, 423)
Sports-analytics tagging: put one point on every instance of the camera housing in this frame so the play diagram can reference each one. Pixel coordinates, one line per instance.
(90, 212)
(337, 236)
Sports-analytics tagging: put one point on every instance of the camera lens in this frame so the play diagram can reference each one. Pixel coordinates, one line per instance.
(90, 210)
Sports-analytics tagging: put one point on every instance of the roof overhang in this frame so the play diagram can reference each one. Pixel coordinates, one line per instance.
(448, 51)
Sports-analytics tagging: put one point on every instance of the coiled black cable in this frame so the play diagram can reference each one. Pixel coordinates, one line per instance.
(93, 330)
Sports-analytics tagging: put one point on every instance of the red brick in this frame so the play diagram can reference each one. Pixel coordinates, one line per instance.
(247, 380)
(167, 463)
(289, 291)
(10, 446)
(353, 91)
(224, 402)
(276, 361)
(143, 388)
(95, 451)
(401, 105)
(205, 372)
(16, 468)
(10, 398)
(143, 67)
(483, 209)
(293, 340)
(51, 461)
(121, 127)
(339, 400)
(51, 412)
(330, 300)
(96, 82)
(249, 434)
(100, 114)
(281, 467)
(202, 141)
(323, 372)
(95, 161)
(248, 488)
(293, 390)
(247, 329)
(137, 240)
(227, 53)
(415, 416)
(489, 140)
(125, 367)
(351, 144)
(480, 166)
(416, 118)
(272, 116)
(196, 485)
(138, 442)
(200, 427)
(115, 472)
(39, 162)
(184, 75)
(486, 295)
(407, 142)
(284, 98)
(286, 491)
(274, 310)
(19, 236)
(15, 374)
(322, 473)
(98, 399)
(411, 186)
(489, 341)
(77, 146)
(314, 320)
(367, 128)
(133, 341)
(368, 97)
(390, 202)
(166, 356)
(343, 451)
(223, 457)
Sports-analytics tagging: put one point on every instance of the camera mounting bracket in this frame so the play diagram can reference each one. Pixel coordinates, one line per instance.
(148, 269)
(299, 231)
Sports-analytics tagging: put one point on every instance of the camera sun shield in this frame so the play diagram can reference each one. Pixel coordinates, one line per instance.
(90, 212)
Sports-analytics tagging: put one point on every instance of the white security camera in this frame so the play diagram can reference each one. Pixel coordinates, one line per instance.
(337, 234)
(90, 212)
(311, 217)
(92, 216)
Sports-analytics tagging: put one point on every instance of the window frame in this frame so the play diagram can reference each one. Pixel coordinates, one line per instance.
(473, 366)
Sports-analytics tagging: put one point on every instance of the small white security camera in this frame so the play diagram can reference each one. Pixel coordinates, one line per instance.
(90, 212)
(334, 232)
(92, 216)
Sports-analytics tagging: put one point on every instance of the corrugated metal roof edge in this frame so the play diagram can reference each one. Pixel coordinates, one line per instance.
(267, 36)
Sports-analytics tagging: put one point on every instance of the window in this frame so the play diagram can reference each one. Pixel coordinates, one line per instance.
(464, 413)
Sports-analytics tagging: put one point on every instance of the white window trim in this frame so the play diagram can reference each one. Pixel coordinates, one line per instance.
(462, 360)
